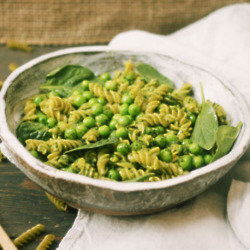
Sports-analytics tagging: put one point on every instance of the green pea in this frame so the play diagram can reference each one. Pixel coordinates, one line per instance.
(130, 76)
(192, 118)
(89, 122)
(111, 85)
(104, 131)
(123, 148)
(81, 129)
(149, 131)
(78, 100)
(124, 120)
(160, 141)
(70, 133)
(112, 125)
(52, 122)
(41, 118)
(101, 119)
(194, 148)
(126, 98)
(53, 94)
(96, 109)
(186, 142)
(116, 117)
(101, 100)
(159, 130)
(171, 138)
(85, 85)
(122, 132)
(165, 155)
(185, 162)
(87, 94)
(123, 109)
(105, 77)
(77, 92)
(207, 158)
(92, 101)
(37, 100)
(113, 174)
(134, 110)
(34, 153)
(108, 113)
(197, 161)
(137, 145)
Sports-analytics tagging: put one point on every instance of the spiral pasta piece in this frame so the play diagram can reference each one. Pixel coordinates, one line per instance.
(191, 105)
(114, 108)
(46, 242)
(38, 145)
(151, 106)
(82, 167)
(17, 45)
(56, 107)
(78, 115)
(144, 156)
(29, 111)
(103, 159)
(130, 173)
(91, 135)
(60, 205)
(158, 119)
(59, 146)
(29, 235)
(99, 91)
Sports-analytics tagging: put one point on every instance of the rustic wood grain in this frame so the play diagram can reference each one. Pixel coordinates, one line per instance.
(22, 207)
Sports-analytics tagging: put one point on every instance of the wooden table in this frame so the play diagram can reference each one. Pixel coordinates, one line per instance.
(22, 203)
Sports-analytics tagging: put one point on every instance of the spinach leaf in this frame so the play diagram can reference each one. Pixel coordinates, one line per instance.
(101, 143)
(225, 138)
(148, 73)
(141, 178)
(205, 128)
(206, 125)
(32, 130)
(66, 79)
(68, 75)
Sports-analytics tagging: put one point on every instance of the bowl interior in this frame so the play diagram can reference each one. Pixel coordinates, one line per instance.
(27, 83)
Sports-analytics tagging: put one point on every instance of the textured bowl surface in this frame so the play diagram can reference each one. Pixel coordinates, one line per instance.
(106, 196)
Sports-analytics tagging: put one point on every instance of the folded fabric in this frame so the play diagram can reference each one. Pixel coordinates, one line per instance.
(220, 43)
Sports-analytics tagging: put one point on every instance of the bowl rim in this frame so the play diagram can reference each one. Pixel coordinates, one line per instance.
(10, 141)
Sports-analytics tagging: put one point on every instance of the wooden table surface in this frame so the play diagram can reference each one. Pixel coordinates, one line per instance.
(22, 203)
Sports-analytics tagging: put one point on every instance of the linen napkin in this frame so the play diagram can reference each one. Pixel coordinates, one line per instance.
(215, 219)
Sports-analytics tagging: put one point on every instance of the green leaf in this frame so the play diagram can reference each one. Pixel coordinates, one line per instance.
(225, 138)
(66, 79)
(32, 130)
(206, 127)
(101, 143)
(68, 75)
(141, 178)
(148, 72)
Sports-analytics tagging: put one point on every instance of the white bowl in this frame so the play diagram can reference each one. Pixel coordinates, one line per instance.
(107, 196)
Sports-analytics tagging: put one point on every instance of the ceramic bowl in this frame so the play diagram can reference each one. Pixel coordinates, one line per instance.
(107, 196)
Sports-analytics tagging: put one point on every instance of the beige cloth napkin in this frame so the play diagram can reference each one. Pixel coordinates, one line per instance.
(213, 220)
